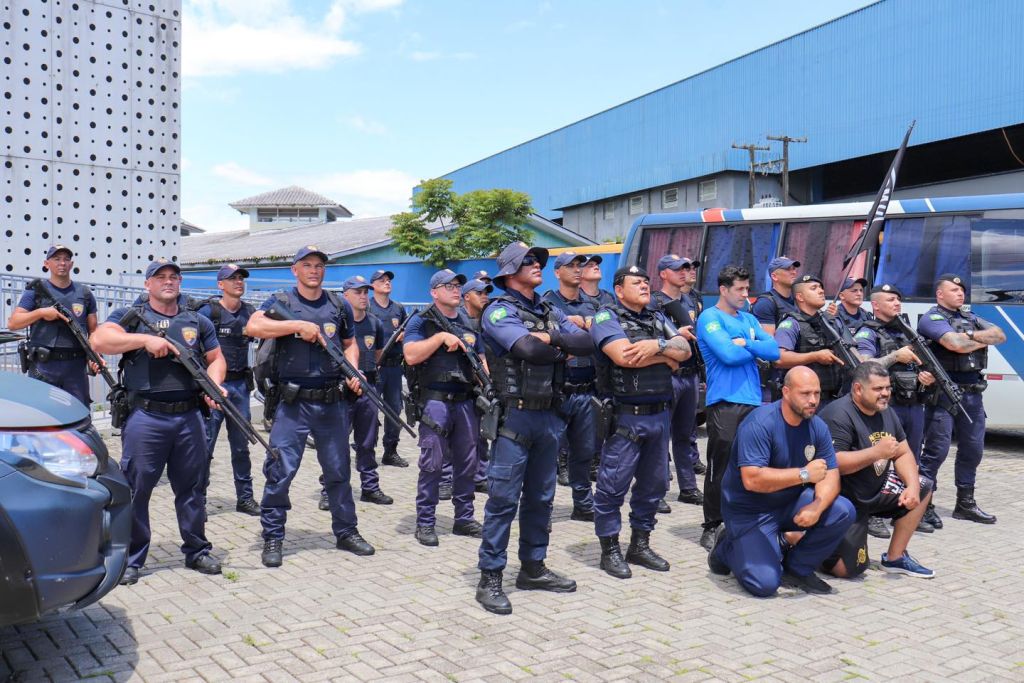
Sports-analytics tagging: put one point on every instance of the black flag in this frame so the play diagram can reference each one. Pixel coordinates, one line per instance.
(876, 217)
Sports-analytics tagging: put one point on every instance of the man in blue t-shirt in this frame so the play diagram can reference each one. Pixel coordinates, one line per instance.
(782, 477)
(731, 342)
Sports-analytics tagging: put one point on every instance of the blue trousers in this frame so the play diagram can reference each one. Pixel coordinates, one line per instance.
(521, 476)
(751, 546)
(69, 375)
(241, 465)
(970, 440)
(643, 455)
(389, 384)
(149, 442)
(483, 451)
(578, 442)
(685, 392)
(460, 429)
(912, 419)
(363, 416)
(293, 422)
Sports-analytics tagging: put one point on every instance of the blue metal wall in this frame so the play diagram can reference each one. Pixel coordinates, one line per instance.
(851, 86)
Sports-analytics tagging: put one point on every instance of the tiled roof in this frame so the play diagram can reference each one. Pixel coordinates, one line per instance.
(292, 196)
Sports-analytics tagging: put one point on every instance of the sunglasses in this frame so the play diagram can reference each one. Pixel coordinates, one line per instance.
(529, 260)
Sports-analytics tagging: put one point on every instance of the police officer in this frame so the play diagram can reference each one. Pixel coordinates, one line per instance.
(640, 349)
(443, 390)
(311, 403)
(55, 356)
(960, 340)
(482, 276)
(578, 444)
(879, 339)
(681, 309)
(772, 306)
(369, 336)
(229, 315)
(851, 297)
(802, 342)
(391, 315)
(590, 283)
(526, 343)
(165, 426)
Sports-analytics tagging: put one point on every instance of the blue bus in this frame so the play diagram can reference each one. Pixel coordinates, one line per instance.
(980, 237)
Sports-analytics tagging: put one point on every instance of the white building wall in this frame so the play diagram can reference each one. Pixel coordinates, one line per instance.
(90, 127)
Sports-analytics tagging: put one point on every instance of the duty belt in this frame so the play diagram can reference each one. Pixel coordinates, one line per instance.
(331, 394)
(584, 388)
(973, 388)
(165, 407)
(65, 354)
(528, 404)
(232, 375)
(447, 396)
(641, 408)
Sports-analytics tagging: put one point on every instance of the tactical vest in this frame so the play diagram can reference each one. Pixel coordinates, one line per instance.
(444, 367)
(390, 318)
(903, 376)
(53, 334)
(812, 338)
(782, 306)
(515, 378)
(951, 361)
(233, 341)
(296, 358)
(581, 363)
(689, 308)
(632, 383)
(148, 375)
(851, 323)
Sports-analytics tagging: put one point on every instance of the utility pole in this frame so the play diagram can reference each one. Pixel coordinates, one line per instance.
(785, 140)
(750, 150)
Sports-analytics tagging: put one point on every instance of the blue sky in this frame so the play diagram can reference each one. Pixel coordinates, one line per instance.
(360, 99)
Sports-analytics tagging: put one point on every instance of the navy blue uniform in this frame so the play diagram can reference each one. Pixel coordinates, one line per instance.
(234, 344)
(799, 333)
(753, 521)
(363, 414)
(65, 367)
(319, 409)
(389, 382)
(855, 321)
(603, 298)
(483, 449)
(165, 428)
(577, 409)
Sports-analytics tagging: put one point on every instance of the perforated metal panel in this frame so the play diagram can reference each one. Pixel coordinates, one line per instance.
(90, 96)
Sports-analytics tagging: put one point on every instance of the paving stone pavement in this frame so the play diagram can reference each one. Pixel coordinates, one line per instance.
(408, 613)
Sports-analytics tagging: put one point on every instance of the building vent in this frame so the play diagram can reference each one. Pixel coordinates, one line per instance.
(670, 198)
(707, 191)
(636, 205)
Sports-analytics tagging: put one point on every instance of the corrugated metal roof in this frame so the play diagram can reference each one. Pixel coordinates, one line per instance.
(291, 196)
(851, 86)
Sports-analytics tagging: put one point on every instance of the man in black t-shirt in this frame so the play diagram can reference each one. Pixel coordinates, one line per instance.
(879, 474)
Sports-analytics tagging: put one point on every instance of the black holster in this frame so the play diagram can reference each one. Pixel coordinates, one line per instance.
(24, 357)
(271, 397)
(413, 411)
(119, 406)
(490, 416)
(289, 393)
(604, 417)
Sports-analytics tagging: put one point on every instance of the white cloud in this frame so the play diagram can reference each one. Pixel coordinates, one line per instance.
(223, 37)
(239, 175)
(365, 125)
(366, 192)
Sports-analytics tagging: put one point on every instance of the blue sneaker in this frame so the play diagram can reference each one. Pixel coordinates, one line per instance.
(906, 565)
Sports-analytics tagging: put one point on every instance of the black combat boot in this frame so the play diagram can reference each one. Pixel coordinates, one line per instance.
(491, 595)
(639, 552)
(393, 459)
(272, 552)
(967, 508)
(932, 517)
(611, 558)
(534, 576)
(563, 468)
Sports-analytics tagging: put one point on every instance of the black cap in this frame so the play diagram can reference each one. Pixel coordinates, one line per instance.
(621, 273)
(52, 251)
(888, 289)
(806, 279)
(951, 277)
(378, 274)
(229, 270)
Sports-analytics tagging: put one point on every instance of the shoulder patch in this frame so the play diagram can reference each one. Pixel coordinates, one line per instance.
(497, 314)
(936, 316)
(863, 334)
(713, 326)
(602, 316)
(786, 324)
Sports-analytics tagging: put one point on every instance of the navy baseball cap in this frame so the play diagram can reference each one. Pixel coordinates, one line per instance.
(511, 258)
(621, 273)
(378, 274)
(161, 262)
(230, 269)
(355, 282)
(443, 277)
(951, 277)
(306, 251)
(888, 289)
(807, 279)
(593, 258)
(674, 262)
(567, 257)
(52, 251)
(782, 262)
(481, 275)
(850, 282)
(475, 285)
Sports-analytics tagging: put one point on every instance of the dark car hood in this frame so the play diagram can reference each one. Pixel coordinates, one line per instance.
(31, 404)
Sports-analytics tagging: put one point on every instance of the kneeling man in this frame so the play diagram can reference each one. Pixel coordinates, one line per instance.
(878, 471)
(781, 477)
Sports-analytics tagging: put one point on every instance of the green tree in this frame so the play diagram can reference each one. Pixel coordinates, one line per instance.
(474, 224)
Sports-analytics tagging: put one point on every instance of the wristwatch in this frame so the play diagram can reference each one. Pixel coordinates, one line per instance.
(662, 343)
(970, 334)
(805, 476)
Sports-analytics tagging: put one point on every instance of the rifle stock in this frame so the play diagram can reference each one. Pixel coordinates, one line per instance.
(930, 363)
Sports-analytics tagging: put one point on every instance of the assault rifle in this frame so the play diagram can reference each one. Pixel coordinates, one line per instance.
(279, 312)
(838, 345)
(674, 310)
(210, 389)
(393, 339)
(76, 332)
(486, 397)
(930, 363)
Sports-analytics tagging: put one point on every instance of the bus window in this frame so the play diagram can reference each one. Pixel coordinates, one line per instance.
(820, 247)
(747, 245)
(997, 261)
(684, 241)
(915, 251)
